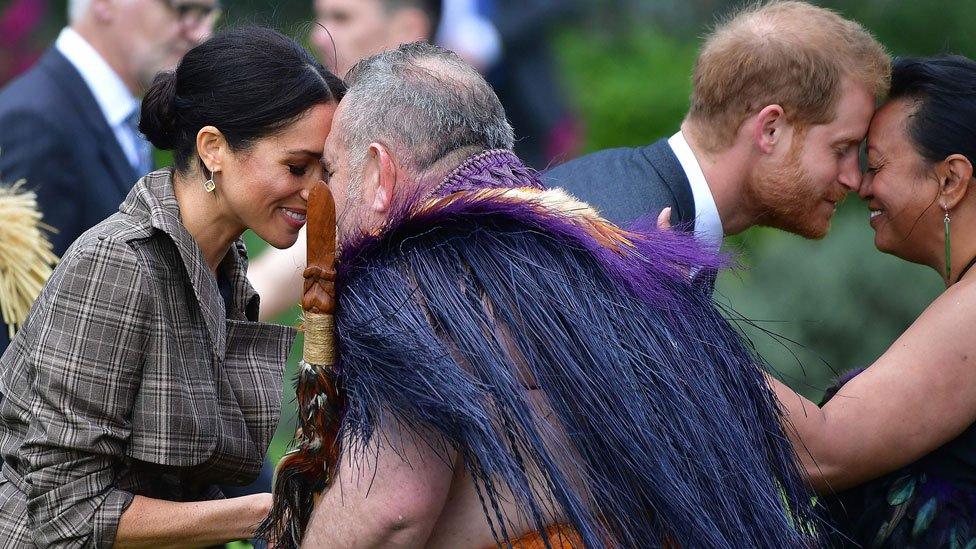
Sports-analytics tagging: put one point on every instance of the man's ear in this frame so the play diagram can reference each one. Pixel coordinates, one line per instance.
(211, 148)
(410, 25)
(769, 127)
(955, 175)
(382, 169)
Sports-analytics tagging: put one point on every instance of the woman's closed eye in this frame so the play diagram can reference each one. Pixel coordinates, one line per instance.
(873, 167)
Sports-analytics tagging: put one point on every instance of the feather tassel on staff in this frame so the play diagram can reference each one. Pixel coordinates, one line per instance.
(309, 468)
(26, 256)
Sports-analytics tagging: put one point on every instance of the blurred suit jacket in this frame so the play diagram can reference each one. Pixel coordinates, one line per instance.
(54, 135)
(628, 184)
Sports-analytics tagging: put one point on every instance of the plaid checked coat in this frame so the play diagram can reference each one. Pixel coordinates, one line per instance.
(131, 377)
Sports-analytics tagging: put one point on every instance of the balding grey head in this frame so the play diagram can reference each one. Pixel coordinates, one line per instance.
(425, 103)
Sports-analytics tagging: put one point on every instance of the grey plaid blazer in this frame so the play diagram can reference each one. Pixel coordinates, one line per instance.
(130, 376)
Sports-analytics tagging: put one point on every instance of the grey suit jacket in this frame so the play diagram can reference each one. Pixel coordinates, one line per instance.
(628, 184)
(131, 376)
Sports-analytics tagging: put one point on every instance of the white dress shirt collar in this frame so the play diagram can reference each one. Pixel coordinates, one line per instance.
(708, 224)
(113, 97)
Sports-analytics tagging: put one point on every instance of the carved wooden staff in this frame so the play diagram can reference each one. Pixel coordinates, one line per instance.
(318, 395)
(307, 470)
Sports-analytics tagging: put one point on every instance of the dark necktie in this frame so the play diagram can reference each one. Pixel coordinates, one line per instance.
(144, 163)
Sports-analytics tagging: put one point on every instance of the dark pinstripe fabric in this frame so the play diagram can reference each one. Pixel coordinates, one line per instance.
(131, 377)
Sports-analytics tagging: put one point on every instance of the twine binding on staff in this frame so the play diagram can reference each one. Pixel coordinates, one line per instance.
(319, 347)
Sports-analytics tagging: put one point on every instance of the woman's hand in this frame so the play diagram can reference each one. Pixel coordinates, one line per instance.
(152, 522)
(254, 509)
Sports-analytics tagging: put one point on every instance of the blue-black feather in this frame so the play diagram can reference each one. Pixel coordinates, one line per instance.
(673, 431)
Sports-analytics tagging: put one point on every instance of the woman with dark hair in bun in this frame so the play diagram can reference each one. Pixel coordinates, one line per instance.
(893, 447)
(141, 378)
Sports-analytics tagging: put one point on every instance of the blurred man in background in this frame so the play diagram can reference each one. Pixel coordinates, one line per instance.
(360, 28)
(70, 122)
(507, 40)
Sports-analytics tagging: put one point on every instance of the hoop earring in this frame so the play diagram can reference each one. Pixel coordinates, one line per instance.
(209, 184)
(948, 256)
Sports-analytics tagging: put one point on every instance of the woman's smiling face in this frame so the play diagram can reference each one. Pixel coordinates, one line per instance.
(263, 184)
(900, 187)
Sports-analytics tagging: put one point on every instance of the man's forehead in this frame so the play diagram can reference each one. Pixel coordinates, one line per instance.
(857, 100)
(333, 142)
(341, 124)
(852, 116)
(852, 128)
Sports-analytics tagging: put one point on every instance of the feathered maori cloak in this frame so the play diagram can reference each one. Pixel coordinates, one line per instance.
(674, 435)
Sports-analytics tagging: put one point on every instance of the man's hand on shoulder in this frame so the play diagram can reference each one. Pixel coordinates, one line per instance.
(664, 219)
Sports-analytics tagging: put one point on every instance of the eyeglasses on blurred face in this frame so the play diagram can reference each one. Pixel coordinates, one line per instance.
(193, 13)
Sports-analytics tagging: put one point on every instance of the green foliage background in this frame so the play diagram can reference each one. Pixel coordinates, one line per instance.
(835, 304)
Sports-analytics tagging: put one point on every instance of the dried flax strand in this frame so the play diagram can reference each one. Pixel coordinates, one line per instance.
(26, 254)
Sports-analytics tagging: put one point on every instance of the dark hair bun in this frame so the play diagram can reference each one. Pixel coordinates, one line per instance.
(249, 82)
(158, 118)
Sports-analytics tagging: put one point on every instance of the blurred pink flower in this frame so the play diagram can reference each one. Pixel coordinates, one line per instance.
(19, 19)
(18, 22)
